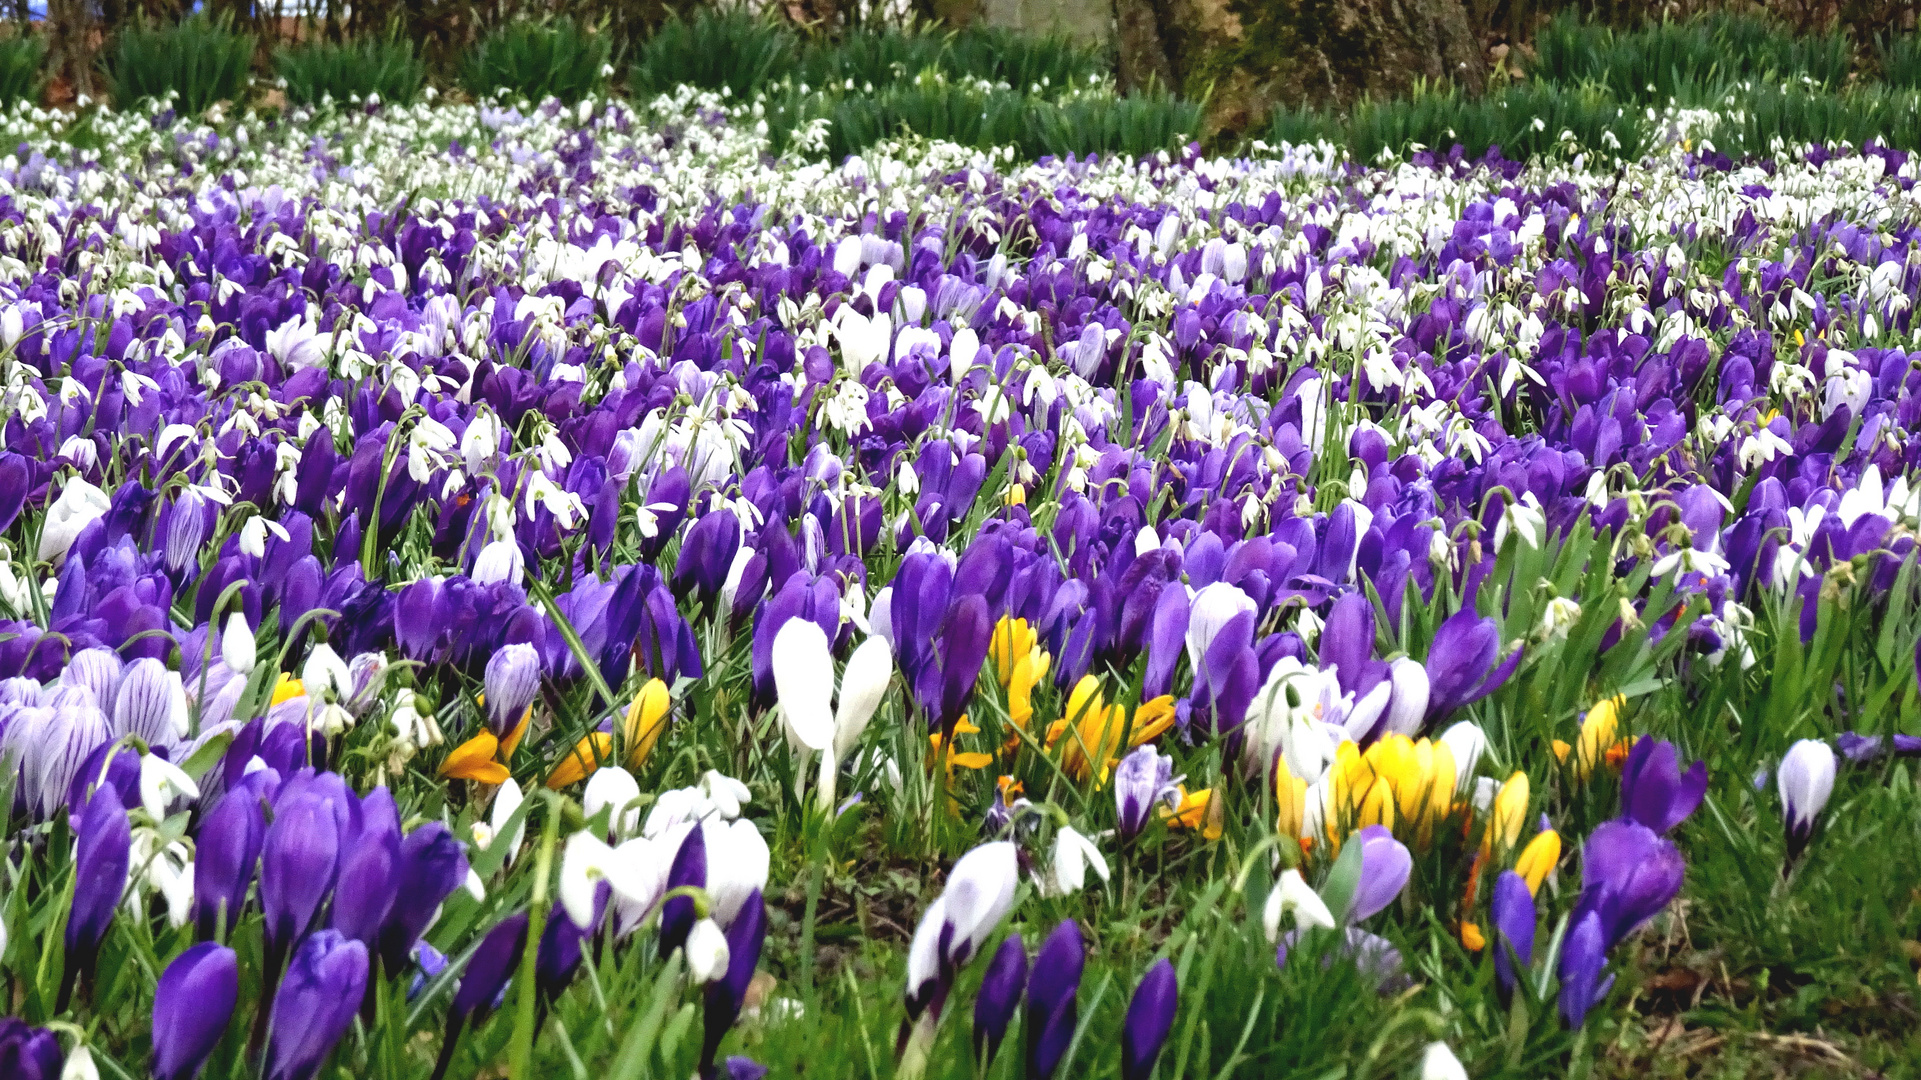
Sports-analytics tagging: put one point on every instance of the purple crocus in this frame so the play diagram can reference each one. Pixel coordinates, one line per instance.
(1143, 778)
(1583, 959)
(1514, 918)
(483, 981)
(316, 1004)
(1461, 663)
(1051, 998)
(1654, 790)
(192, 1004)
(1385, 867)
(1000, 995)
(432, 864)
(297, 866)
(227, 848)
(512, 680)
(1628, 875)
(1150, 1017)
(726, 995)
(689, 868)
(101, 856)
(28, 1053)
(963, 647)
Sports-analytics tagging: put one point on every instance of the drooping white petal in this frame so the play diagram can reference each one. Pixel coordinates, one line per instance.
(707, 954)
(1291, 895)
(613, 786)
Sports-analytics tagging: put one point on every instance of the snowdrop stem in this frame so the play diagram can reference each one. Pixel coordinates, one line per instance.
(521, 1054)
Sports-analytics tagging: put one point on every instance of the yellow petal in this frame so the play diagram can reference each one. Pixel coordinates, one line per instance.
(1510, 812)
(474, 760)
(1378, 807)
(287, 689)
(971, 760)
(586, 756)
(1472, 937)
(1598, 731)
(646, 719)
(1538, 858)
(1152, 718)
(1290, 796)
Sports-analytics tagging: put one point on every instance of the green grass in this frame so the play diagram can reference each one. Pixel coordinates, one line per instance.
(21, 73)
(353, 71)
(199, 60)
(1687, 61)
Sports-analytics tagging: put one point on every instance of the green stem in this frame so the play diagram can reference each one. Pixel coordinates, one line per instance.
(521, 1054)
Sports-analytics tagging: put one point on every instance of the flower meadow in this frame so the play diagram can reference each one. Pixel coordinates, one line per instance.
(562, 591)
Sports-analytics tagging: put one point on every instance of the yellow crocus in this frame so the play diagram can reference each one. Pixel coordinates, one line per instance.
(1290, 799)
(1100, 729)
(512, 742)
(1538, 859)
(1013, 640)
(1197, 811)
(587, 755)
(1599, 733)
(950, 760)
(1016, 495)
(1028, 671)
(287, 689)
(1510, 813)
(1377, 806)
(646, 719)
(474, 760)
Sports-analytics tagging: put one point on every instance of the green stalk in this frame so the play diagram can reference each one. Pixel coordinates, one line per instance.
(520, 1055)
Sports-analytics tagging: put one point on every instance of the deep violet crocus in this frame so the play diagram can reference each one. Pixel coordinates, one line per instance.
(1513, 918)
(101, 856)
(1150, 1017)
(28, 1053)
(316, 1004)
(192, 1004)
(725, 995)
(1461, 664)
(1583, 959)
(1052, 1008)
(689, 868)
(1628, 875)
(1654, 790)
(226, 850)
(1000, 994)
(483, 981)
(297, 866)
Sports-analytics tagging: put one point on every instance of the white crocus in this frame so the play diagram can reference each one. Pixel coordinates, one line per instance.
(1439, 1063)
(979, 894)
(804, 684)
(587, 861)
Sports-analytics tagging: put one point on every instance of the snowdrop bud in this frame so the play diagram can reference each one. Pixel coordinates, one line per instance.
(237, 645)
(1439, 1063)
(613, 786)
(1467, 742)
(80, 1065)
(707, 954)
(79, 505)
(500, 560)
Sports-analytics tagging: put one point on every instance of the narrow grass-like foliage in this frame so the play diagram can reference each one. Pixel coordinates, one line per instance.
(538, 60)
(717, 48)
(1901, 61)
(1691, 62)
(21, 72)
(319, 71)
(200, 60)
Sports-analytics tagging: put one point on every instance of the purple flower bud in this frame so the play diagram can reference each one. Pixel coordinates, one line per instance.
(298, 864)
(689, 868)
(492, 965)
(1150, 1017)
(1461, 663)
(369, 882)
(1051, 998)
(741, 1067)
(432, 865)
(513, 680)
(192, 1005)
(1513, 911)
(1628, 875)
(227, 847)
(1143, 778)
(28, 1053)
(963, 650)
(1583, 958)
(101, 857)
(1385, 867)
(1000, 995)
(316, 1004)
(1654, 791)
(708, 553)
(727, 994)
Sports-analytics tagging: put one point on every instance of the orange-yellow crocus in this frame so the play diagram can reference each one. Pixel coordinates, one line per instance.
(1472, 937)
(587, 755)
(1013, 639)
(474, 760)
(1290, 797)
(646, 719)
